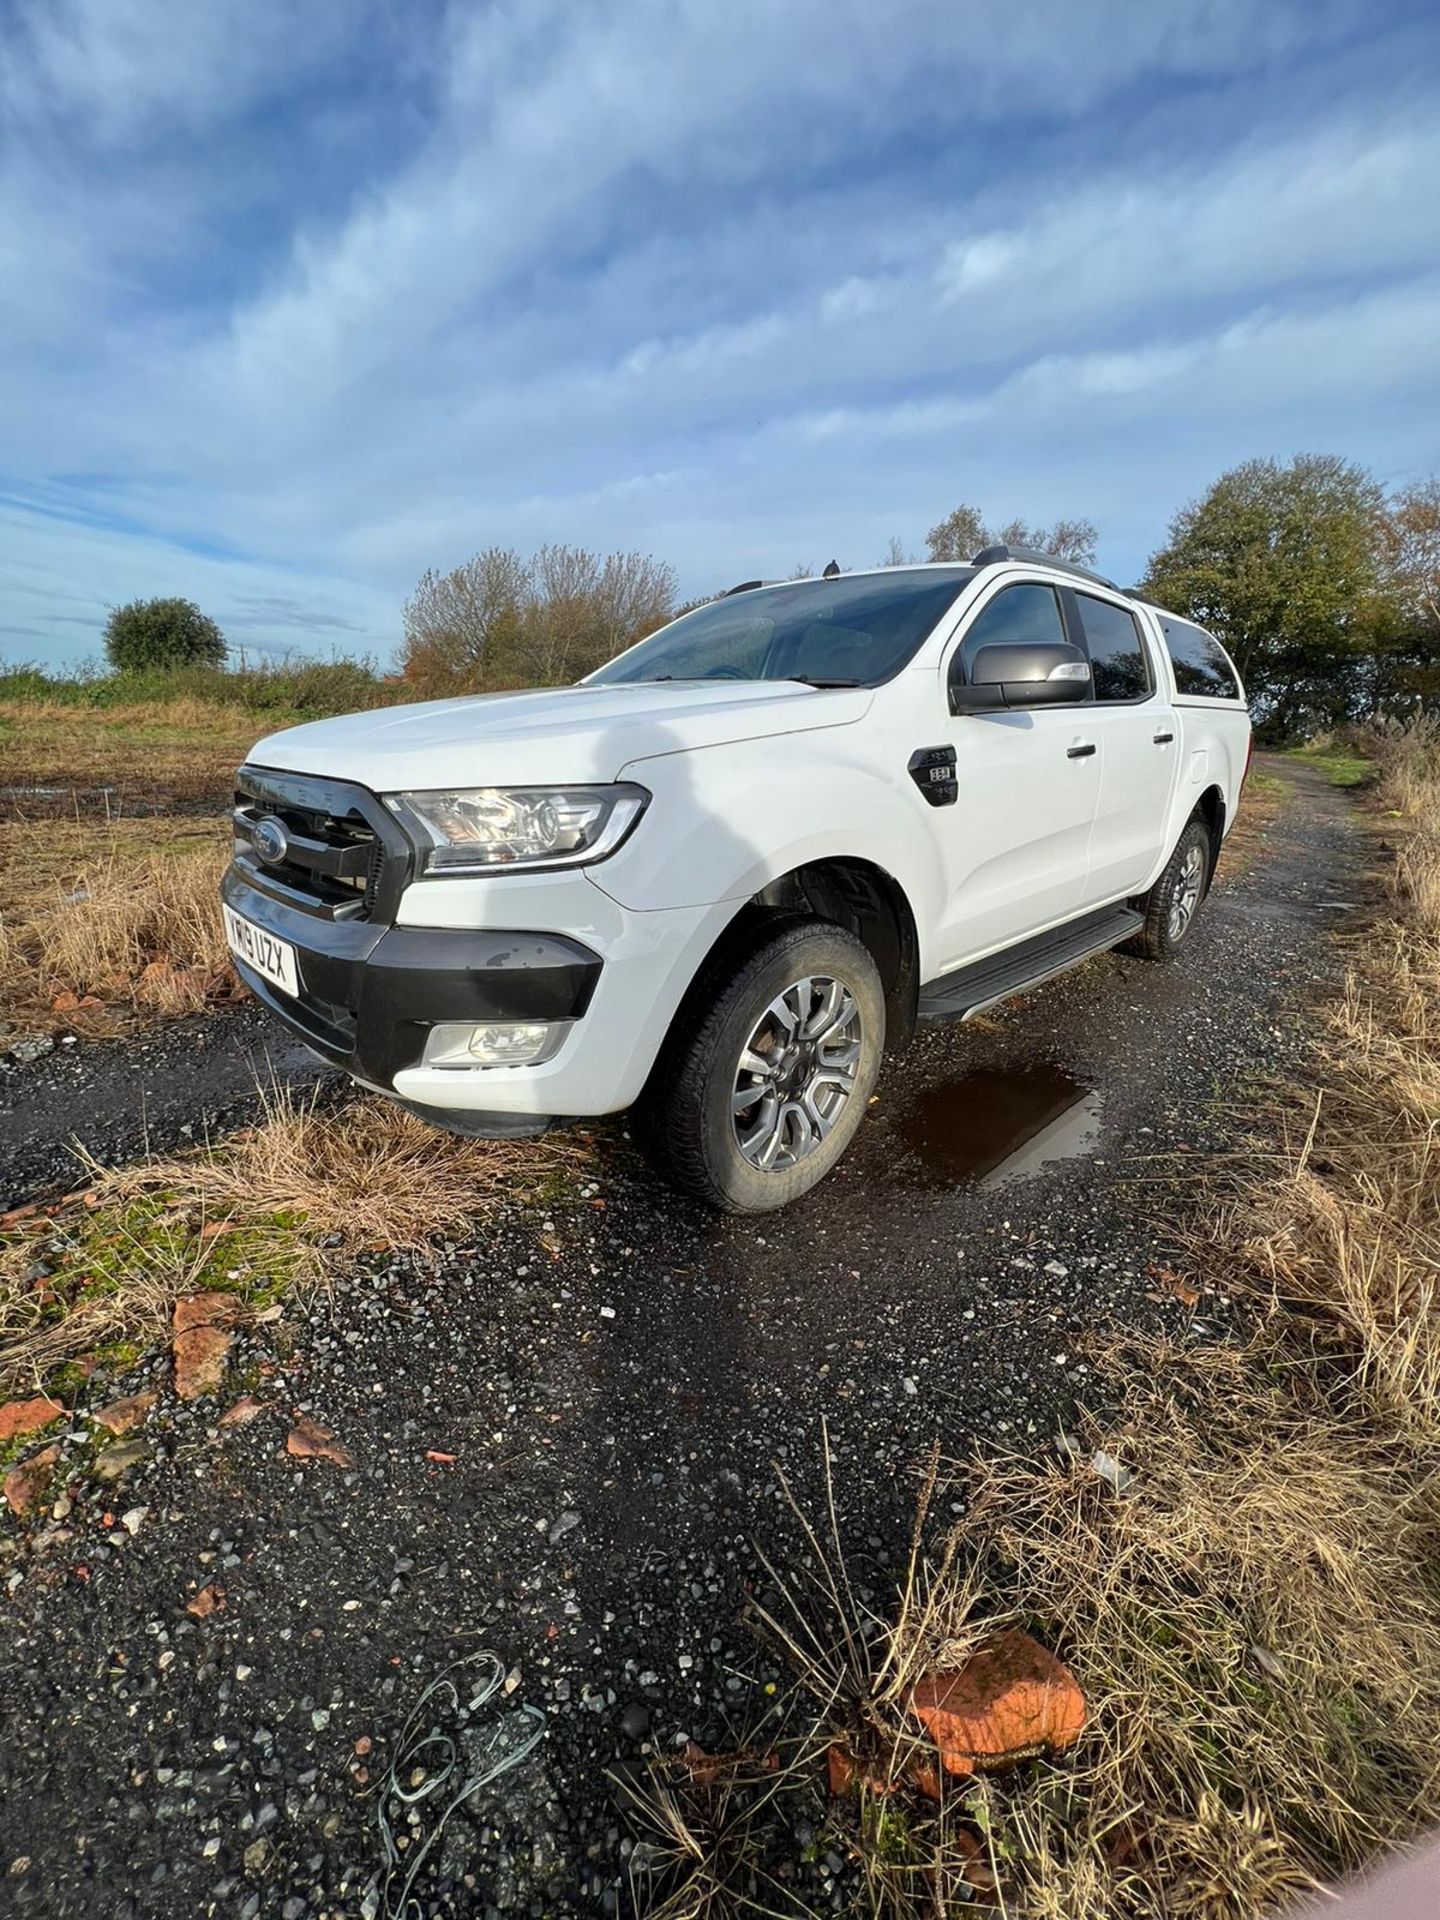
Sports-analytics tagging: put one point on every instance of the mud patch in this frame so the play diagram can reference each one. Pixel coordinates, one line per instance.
(996, 1125)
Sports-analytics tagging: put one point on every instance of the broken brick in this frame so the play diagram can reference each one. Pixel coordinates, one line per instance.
(18, 1418)
(123, 1416)
(27, 1484)
(1010, 1701)
(210, 1599)
(202, 1342)
(245, 1409)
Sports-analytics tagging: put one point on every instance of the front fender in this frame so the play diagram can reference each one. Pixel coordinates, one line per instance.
(724, 824)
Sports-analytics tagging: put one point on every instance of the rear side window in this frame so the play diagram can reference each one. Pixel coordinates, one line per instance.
(1201, 664)
(1018, 616)
(1119, 666)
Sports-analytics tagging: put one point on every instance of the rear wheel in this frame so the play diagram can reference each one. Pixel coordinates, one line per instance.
(1174, 900)
(755, 1103)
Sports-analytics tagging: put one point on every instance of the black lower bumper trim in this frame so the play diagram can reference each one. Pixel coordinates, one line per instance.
(369, 994)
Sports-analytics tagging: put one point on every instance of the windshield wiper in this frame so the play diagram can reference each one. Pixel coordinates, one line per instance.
(812, 680)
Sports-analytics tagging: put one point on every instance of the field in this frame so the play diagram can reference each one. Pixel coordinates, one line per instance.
(722, 1500)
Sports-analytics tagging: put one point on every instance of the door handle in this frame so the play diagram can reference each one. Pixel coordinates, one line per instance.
(1080, 753)
(1163, 739)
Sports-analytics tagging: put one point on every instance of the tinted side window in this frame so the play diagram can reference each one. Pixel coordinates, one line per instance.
(1201, 664)
(1117, 653)
(1020, 616)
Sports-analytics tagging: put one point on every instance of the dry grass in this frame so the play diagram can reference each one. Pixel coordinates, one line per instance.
(363, 1173)
(261, 1211)
(56, 756)
(124, 913)
(1261, 805)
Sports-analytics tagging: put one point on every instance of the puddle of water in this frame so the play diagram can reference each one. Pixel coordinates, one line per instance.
(998, 1125)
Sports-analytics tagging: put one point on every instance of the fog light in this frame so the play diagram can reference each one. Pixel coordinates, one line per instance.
(496, 1043)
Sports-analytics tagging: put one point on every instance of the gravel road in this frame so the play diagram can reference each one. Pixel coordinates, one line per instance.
(610, 1387)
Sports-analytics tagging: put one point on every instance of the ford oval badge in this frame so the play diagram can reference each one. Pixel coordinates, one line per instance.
(269, 840)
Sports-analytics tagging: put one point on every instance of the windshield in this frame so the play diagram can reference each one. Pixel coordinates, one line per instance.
(854, 631)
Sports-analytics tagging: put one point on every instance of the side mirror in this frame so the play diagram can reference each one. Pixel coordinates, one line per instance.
(1045, 674)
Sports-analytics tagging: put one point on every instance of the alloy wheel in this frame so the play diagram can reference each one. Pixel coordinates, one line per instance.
(796, 1072)
(1185, 895)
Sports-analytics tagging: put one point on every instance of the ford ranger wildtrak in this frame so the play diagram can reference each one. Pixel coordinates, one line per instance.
(720, 877)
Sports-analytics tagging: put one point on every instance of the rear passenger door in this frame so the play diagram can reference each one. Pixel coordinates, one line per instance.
(1136, 733)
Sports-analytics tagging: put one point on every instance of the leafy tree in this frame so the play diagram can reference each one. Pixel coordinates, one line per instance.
(162, 633)
(962, 533)
(1285, 565)
(959, 536)
(1407, 666)
(502, 620)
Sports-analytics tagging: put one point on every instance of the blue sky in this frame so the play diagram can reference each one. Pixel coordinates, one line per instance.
(300, 297)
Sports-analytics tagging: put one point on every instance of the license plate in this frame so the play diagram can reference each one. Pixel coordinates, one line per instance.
(272, 959)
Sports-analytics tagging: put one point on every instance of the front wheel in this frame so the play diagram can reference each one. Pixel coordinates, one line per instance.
(759, 1099)
(1172, 903)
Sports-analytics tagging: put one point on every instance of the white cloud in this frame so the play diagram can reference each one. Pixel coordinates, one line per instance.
(712, 279)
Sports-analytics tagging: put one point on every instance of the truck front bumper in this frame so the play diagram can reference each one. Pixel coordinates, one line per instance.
(369, 995)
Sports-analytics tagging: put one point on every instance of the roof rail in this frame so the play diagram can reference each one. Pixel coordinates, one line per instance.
(994, 556)
(745, 586)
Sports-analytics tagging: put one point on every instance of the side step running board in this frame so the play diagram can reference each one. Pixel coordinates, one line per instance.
(955, 996)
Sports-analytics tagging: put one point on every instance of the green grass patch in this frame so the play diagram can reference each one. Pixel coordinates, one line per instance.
(112, 1275)
(1341, 766)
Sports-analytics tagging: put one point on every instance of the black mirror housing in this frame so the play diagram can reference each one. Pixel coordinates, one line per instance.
(1043, 674)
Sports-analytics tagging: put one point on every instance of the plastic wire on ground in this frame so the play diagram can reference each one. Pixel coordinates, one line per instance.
(436, 1753)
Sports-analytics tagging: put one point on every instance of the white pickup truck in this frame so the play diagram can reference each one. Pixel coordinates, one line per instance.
(719, 878)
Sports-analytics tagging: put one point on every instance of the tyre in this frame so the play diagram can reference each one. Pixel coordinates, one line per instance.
(1172, 903)
(753, 1103)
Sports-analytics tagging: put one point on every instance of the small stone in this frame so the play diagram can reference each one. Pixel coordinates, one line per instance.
(115, 1462)
(133, 1519)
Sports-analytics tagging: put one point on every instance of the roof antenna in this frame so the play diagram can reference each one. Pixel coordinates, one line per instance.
(832, 572)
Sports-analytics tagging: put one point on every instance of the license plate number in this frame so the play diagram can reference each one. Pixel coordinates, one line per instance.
(272, 959)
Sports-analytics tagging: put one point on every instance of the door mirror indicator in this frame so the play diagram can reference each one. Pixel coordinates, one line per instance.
(1040, 674)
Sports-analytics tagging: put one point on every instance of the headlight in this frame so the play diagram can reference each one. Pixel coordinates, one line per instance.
(497, 829)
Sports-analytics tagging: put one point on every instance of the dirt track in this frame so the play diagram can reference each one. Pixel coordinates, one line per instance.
(614, 1385)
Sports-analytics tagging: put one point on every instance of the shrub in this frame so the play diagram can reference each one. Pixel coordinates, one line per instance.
(162, 633)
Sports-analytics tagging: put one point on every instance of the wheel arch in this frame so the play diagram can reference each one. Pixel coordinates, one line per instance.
(846, 890)
(1210, 808)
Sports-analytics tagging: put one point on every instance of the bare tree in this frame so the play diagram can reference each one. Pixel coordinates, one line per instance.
(895, 554)
(457, 624)
(1412, 550)
(962, 534)
(501, 620)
